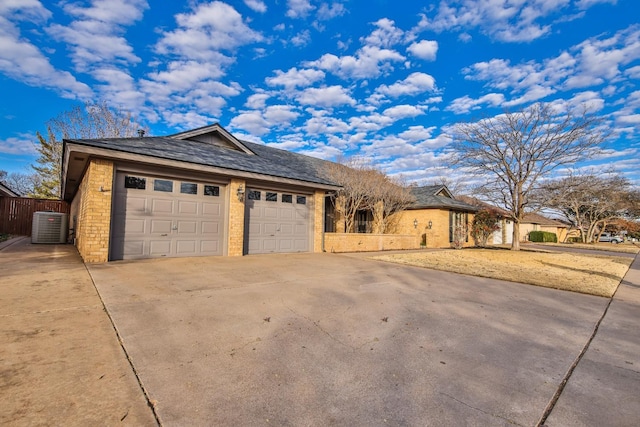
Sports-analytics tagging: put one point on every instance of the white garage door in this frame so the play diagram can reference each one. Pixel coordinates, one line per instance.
(163, 217)
(276, 221)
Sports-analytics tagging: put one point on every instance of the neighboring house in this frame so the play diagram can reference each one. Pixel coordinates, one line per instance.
(535, 222)
(504, 234)
(5, 191)
(435, 216)
(196, 193)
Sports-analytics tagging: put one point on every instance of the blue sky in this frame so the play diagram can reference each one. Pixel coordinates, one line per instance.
(380, 79)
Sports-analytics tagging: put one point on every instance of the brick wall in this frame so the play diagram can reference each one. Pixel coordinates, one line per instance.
(438, 235)
(361, 242)
(92, 209)
(318, 220)
(235, 243)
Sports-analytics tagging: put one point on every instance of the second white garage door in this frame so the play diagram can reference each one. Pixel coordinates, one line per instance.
(276, 221)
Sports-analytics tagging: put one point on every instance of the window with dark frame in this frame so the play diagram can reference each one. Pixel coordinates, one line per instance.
(211, 190)
(287, 198)
(135, 182)
(271, 197)
(301, 200)
(253, 195)
(188, 188)
(163, 185)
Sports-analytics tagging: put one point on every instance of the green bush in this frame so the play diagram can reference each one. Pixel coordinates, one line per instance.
(543, 236)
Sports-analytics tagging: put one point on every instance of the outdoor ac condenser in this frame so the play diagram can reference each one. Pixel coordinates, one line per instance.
(49, 227)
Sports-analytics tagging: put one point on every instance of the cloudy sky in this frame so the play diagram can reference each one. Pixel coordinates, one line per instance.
(380, 79)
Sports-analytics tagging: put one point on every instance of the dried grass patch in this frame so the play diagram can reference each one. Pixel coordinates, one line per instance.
(588, 274)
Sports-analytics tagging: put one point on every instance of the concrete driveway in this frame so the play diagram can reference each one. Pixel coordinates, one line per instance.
(326, 339)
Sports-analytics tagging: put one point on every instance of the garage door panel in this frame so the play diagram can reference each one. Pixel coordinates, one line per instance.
(160, 226)
(187, 227)
(286, 213)
(210, 227)
(160, 247)
(186, 247)
(286, 229)
(159, 206)
(212, 209)
(134, 204)
(184, 219)
(269, 229)
(209, 246)
(270, 212)
(187, 208)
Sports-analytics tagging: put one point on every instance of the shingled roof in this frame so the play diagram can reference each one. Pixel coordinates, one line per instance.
(438, 197)
(263, 159)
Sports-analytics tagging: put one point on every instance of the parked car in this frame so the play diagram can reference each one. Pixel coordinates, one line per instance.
(610, 237)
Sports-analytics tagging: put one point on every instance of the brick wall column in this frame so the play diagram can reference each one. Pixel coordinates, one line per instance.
(318, 220)
(94, 212)
(235, 243)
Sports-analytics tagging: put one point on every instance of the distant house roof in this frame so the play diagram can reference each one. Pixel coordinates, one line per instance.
(438, 197)
(483, 205)
(5, 191)
(209, 146)
(533, 218)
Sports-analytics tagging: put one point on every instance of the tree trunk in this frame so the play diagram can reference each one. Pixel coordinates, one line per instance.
(515, 244)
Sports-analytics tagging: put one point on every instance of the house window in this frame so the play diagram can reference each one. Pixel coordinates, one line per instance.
(458, 225)
(253, 195)
(163, 185)
(364, 221)
(301, 200)
(287, 198)
(135, 182)
(271, 197)
(188, 188)
(211, 190)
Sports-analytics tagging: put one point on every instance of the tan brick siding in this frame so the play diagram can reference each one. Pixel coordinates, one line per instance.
(318, 220)
(92, 210)
(361, 242)
(438, 235)
(235, 244)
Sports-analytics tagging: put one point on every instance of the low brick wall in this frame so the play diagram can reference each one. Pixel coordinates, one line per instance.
(359, 242)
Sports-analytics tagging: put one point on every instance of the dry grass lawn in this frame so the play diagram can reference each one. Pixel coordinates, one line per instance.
(589, 274)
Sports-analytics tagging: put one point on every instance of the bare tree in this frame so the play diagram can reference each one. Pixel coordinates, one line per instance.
(590, 201)
(366, 188)
(21, 183)
(514, 150)
(91, 120)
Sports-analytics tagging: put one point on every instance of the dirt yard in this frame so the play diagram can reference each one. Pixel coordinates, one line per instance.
(588, 274)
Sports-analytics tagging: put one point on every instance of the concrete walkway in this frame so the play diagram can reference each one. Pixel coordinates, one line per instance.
(60, 360)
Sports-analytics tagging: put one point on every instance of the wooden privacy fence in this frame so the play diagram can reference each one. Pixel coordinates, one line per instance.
(16, 213)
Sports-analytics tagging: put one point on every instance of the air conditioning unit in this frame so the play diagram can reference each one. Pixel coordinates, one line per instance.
(49, 227)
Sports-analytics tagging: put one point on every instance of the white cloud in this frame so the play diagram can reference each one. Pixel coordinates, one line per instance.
(301, 39)
(326, 11)
(210, 28)
(257, 101)
(325, 125)
(299, 8)
(256, 5)
(424, 49)
(277, 115)
(417, 133)
(251, 121)
(385, 36)
(504, 21)
(403, 111)
(414, 84)
(25, 62)
(632, 119)
(331, 96)
(22, 145)
(96, 34)
(465, 104)
(370, 61)
(295, 78)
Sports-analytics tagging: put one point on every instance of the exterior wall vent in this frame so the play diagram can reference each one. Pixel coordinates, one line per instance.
(49, 227)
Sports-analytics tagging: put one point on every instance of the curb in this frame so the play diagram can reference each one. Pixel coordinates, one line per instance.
(12, 241)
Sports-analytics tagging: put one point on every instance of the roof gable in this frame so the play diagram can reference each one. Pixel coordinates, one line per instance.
(438, 197)
(213, 134)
